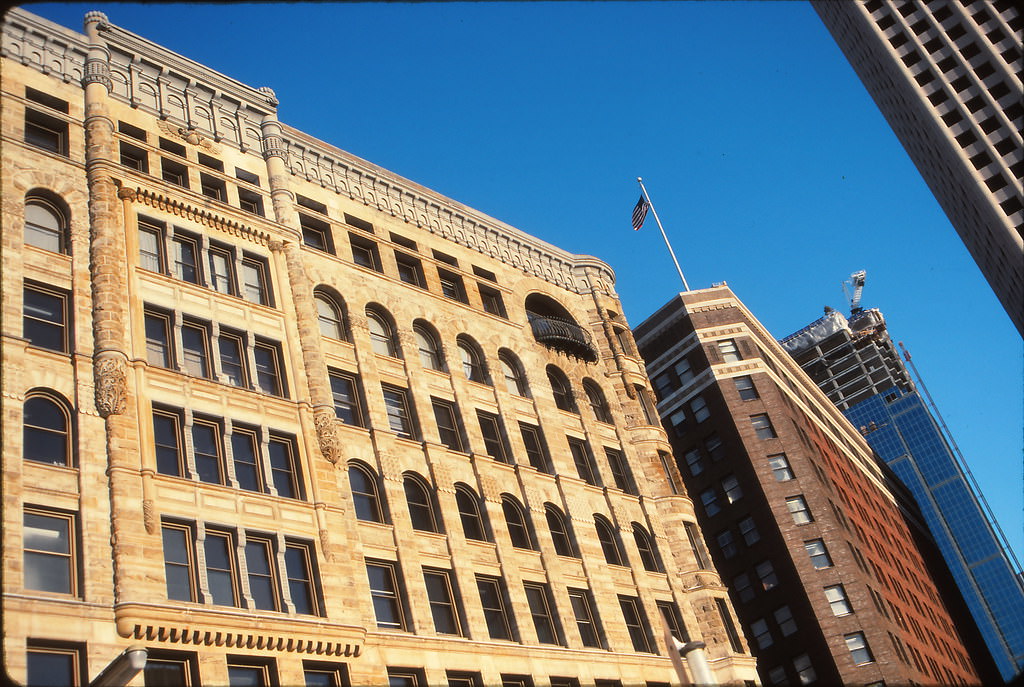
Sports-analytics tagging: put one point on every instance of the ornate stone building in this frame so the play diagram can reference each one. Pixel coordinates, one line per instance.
(274, 415)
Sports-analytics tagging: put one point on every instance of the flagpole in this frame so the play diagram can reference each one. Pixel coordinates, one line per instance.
(656, 219)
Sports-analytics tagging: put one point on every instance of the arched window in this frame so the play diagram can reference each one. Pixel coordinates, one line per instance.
(561, 389)
(609, 541)
(515, 518)
(515, 378)
(382, 335)
(597, 401)
(559, 526)
(472, 360)
(473, 525)
(365, 493)
(330, 315)
(645, 544)
(421, 505)
(46, 226)
(429, 347)
(47, 431)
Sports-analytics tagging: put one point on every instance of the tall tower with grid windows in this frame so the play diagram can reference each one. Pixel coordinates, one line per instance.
(273, 415)
(855, 363)
(828, 562)
(946, 76)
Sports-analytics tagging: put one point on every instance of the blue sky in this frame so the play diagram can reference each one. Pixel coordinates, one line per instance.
(766, 159)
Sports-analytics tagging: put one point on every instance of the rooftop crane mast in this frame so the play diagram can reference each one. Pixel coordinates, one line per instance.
(856, 280)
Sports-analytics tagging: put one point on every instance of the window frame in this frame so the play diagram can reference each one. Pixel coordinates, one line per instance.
(536, 449)
(401, 420)
(538, 599)
(195, 354)
(316, 234)
(636, 624)
(423, 513)
(500, 622)
(583, 459)
(763, 427)
(365, 253)
(452, 286)
(46, 132)
(429, 348)
(189, 563)
(62, 437)
(332, 322)
(621, 473)
(493, 435)
(608, 537)
(561, 531)
(270, 373)
(51, 328)
(780, 467)
(515, 378)
(348, 403)
(815, 556)
(444, 608)
(799, 510)
(746, 388)
(58, 235)
(517, 523)
(598, 402)
(647, 548)
(838, 599)
(474, 523)
(229, 575)
(587, 624)
(561, 390)
(75, 651)
(857, 644)
(446, 420)
(382, 339)
(474, 367)
(392, 594)
(70, 582)
(410, 270)
(373, 500)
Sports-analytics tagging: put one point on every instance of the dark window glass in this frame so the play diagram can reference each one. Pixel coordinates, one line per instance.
(582, 608)
(195, 350)
(469, 512)
(283, 472)
(262, 585)
(494, 440)
(584, 461)
(179, 569)
(421, 506)
(636, 624)
(515, 518)
(447, 427)
(365, 494)
(410, 270)
(45, 226)
(387, 604)
(559, 527)
(399, 417)
(442, 602)
(45, 319)
(220, 568)
(269, 376)
(609, 541)
(620, 471)
(254, 281)
(645, 545)
(46, 132)
(222, 270)
(492, 598)
(52, 665)
(206, 446)
(49, 554)
(347, 405)
(562, 391)
(298, 563)
(245, 449)
(167, 442)
(534, 447)
(538, 598)
(232, 359)
(46, 435)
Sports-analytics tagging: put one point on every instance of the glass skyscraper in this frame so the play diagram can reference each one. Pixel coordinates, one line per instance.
(855, 363)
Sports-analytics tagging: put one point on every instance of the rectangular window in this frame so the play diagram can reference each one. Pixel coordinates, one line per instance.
(539, 599)
(284, 473)
(222, 270)
(233, 359)
(179, 562)
(798, 509)
(731, 487)
(347, 401)
(780, 467)
(255, 285)
(785, 621)
(447, 426)
(134, 157)
(584, 461)
(535, 451)
(158, 340)
(726, 543)
(186, 258)
(388, 603)
(714, 447)
(263, 584)
(207, 448)
(50, 552)
(730, 353)
(451, 286)
(766, 575)
(763, 427)
(195, 346)
(314, 205)
(46, 132)
(247, 177)
(212, 187)
(636, 624)
(804, 669)
(246, 671)
(838, 601)
(494, 438)
(697, 545)
(463, 679)
(445, 258)
(406, 677)
(761, 634)
(745, 387)
(410, 270)
(300, 572)
(250, 201)
(742, 588)
(441, 596)
(495, 605)
(365, 253)
(683, 371)
(396, 401)
(45, 318)
(174, 172)
(818, 554)
(316, 233)
(245, 448)
(167, 443)
(694, 461)
(730, 626)
(54, 663)
(151, 245)
(670, 612)
(324, 674)
(211, 162)
(269, 375)
(353, 221)
(748, 530)
(857, 643)
(620, 470)
(586, 622)
(221, 569)
(172, 147)
(491, 300)
(709, 498)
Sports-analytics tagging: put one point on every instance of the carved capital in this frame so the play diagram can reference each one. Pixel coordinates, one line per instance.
(273, 146)
(124, 193)
(327, 435)
(97, 71)
(111, 385)
(275, 246)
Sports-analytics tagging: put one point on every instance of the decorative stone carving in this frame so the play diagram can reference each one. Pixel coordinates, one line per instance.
(189, 135)
(270, 95)
(273, 146)
(325, 543)
(149, 515)
(327, 435)
(97, 71)
(98, 17)
(111, 385)
(125, 193)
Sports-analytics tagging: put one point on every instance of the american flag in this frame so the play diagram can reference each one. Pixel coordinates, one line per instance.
(640, 213)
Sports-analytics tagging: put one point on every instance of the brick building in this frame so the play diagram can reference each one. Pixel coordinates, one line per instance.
(275, 415)
(816, 540)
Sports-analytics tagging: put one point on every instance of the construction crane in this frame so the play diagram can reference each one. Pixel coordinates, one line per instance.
(856, 280)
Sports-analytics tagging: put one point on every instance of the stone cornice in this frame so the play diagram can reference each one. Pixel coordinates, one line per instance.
(213, 627)
(43, 44)
(198, 215)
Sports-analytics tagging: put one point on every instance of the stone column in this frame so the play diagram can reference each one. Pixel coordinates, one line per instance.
(306, 318)
(107, 264)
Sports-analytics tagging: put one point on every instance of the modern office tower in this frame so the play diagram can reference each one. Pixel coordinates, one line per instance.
(946, 77)
(273, 415)
(820, 546)
(855, 363)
